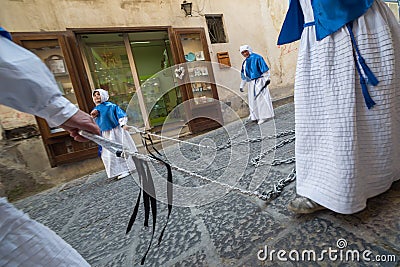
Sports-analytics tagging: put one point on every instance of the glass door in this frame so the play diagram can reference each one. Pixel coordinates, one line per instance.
(106, 58)
(153, 58)
(201, 91)
(123, 62)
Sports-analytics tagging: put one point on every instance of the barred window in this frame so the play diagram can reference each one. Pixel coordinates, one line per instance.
(216, 29)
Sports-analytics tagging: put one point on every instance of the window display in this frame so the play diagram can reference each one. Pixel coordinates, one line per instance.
(55, 51)
(109, 66)
(197, 78)
(197, 68)
(51, 54)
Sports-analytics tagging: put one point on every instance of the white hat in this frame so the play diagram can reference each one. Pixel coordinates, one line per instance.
(103, 94)
(245, 48)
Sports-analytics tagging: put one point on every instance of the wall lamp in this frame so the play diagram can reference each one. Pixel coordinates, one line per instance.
(187, 7)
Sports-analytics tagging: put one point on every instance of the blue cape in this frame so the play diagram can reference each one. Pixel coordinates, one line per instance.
(109, 114)
(5, 33)
(329, 16)
(255, 67)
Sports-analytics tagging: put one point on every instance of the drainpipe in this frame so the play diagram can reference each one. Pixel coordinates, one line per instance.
(398, 4)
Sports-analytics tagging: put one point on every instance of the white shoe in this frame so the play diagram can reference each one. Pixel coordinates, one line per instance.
(303, 205)
(122, 175)
(261, 121)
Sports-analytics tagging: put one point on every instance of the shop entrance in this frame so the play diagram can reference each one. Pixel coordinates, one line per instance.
(123, 62)
(128, 61)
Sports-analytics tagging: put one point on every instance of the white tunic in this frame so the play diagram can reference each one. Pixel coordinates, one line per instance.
(117, 165)
(345, 152)
(25, 242)
(260, 103)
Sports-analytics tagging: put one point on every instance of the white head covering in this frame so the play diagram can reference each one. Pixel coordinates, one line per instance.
(244, 48)
(103, 94)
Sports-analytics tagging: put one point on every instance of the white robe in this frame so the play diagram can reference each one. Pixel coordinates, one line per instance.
(114, 165)
(25, 242)
(345, 152)
(260, 103)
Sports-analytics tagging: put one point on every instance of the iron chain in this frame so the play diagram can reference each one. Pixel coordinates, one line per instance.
(273, 193)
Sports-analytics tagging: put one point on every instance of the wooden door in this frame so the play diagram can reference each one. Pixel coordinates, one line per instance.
(56, 52)
(202, 102)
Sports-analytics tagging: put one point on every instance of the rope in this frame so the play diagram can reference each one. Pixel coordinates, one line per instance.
(133, 130)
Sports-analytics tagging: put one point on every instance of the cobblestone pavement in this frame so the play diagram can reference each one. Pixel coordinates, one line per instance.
(212, 227)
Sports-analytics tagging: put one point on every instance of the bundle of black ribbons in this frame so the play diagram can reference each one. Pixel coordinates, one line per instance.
(149, 193)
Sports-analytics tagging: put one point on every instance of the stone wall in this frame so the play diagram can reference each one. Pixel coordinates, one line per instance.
(15, 124)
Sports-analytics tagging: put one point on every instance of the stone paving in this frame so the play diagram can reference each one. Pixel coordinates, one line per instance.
(212, 227)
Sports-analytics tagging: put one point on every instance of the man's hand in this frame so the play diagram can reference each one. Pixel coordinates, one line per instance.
(80, 121)
(241, 90)
(94, 113)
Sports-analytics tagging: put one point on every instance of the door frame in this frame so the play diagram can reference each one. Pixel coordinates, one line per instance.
(74, 151)
(199, 124)
(75, 32)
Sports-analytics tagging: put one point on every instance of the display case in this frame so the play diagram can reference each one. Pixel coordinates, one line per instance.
(53, 49)
(155, 102)
(199, 83)
(201, 87)
(107, 66)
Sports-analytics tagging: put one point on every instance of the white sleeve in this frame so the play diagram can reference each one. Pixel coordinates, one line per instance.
(266, 75)
(242, 83)
(123, 121)
(28, 86)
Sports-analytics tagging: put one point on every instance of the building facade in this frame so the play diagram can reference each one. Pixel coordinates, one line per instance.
(123, 46)
(137, 50)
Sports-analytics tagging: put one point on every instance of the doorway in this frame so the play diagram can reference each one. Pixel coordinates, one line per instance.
(122, 62)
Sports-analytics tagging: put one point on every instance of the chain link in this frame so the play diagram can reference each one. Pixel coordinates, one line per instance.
(277, 189)
(256, 162)
(229, 143)
(273, 193)
(277, 162)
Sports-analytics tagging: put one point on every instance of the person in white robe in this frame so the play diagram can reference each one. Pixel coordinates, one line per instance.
(28, 86)
(347, 102)
(112, 121)
(256, 73)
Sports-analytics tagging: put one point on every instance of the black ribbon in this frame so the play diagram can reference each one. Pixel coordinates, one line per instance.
(169, 178)
(149, 194)
(262, 88)
(149, 200)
